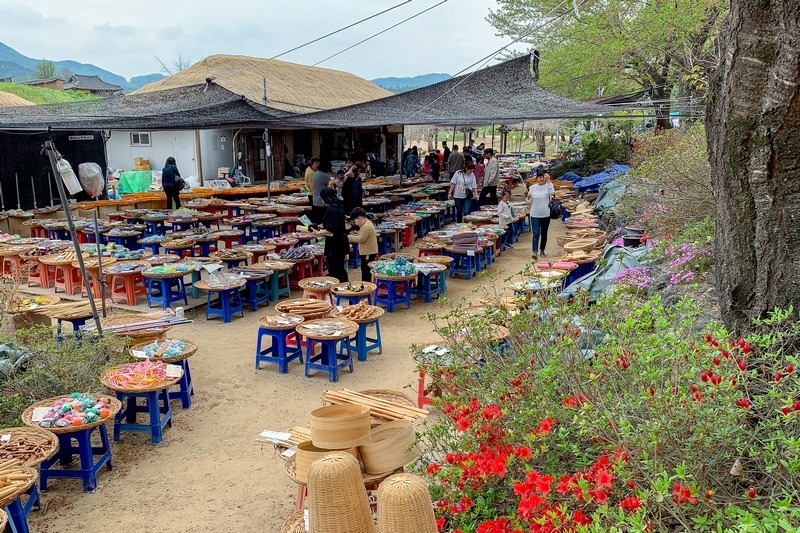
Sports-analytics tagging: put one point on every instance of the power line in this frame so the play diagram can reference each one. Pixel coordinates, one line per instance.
(315, 40)
(379, 33)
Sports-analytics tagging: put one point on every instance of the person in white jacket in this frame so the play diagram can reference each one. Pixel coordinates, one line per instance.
(505, 216)
(539, 196)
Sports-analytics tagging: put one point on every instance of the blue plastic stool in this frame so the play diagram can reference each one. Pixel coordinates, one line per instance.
(154, 227)
(166, 295)
(77, 323)
(152, 246)
(334, 354)
(128, 242)
(156, 405)
(466, 265)
(275, 288)
(279, 352)
(86, 453)
(392, 296)
(353, 300)
(182, 226)
(385, 243)
(246, 230)
(18, 513)
(205, 248)
(230, 303)
(186, 388)
(428, 285)
(257, 292)
(365, 344)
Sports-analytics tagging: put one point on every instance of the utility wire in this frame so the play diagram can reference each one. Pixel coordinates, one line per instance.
(379, 33)
(315, 40)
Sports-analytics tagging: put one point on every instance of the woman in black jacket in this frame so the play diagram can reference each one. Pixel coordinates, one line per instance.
(337, 245)
(168, 175)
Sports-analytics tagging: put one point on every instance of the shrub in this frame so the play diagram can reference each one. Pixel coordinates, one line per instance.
(614, 417)
(52, 368)
(670, 182)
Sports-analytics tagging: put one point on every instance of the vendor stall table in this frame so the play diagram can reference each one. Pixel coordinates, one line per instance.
(185, 386)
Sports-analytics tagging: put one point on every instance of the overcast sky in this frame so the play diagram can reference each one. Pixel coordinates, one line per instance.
(124, 37)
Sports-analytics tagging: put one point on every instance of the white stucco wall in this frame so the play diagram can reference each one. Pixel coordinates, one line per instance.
(163, 144)
(215, 152)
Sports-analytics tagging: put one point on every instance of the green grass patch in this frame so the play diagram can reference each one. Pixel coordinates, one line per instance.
(40, 95)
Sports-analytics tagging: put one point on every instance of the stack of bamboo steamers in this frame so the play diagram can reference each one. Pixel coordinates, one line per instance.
(343, 454)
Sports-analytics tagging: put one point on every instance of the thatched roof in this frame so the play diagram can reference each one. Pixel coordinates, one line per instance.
(502, 94)
(10, 99)
(290, 87)
(195, 107)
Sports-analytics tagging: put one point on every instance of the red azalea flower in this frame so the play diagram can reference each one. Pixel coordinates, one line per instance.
(580, 519)
(493, 412)
(432, 468)
(599, 496)
(778, 376)
(744, 403)
(681, 494)
(796, 406)
(709, 495)
(742, 365)
(631, 504)
(751, 493)
(789, 369)
(463, 424)
(439, 524)
(545, 426)
(717, 361)
(523, 452)
(604, 479)
(564, 484)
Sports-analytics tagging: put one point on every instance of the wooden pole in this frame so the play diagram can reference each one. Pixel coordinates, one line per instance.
(199, 153)
(16, 180)
(33, 190)
(101, 281)
(50, 187)
(51, 154)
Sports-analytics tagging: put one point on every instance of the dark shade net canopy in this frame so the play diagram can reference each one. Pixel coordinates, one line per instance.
(504, 93)
(192, 107)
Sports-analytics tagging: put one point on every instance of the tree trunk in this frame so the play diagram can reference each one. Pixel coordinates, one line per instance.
(663, 106)
(753, 130)
(541, 145)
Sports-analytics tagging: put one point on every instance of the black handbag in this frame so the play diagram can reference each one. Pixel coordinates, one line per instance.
(555, 209)
(180, 183)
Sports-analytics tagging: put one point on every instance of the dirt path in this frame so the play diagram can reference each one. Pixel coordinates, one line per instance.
(210, 474)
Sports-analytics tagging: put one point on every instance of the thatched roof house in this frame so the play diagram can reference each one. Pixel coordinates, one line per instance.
(290, 87)
(9, 100)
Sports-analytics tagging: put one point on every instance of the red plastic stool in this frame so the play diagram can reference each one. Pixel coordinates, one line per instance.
(67, 278)
(321, 265)
(302, 269)
(127, 286)
(229, 240)
(38, 231)
(13, 265)
(42, 275)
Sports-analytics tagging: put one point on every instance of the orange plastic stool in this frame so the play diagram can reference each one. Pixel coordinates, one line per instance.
(13, 265)
(127, 286)
(67, 278)
(42, 274)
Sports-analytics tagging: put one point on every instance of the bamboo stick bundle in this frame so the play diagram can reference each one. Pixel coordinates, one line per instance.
(379, 407)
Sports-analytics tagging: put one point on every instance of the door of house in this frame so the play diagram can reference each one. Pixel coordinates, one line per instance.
(259, 158)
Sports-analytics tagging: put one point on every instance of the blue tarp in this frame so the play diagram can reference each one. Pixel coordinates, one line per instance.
(594, 182)
(571, 176)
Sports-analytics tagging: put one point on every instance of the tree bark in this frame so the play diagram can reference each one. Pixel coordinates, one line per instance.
(541, 145)
(753, 130)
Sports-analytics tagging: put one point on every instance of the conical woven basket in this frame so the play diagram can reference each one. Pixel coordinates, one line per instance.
(404, 506)
(337, 499)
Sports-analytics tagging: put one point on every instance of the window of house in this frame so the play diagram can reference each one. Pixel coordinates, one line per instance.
(140, 139)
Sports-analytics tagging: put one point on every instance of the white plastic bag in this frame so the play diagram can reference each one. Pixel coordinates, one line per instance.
(68, 176)
(91, 178)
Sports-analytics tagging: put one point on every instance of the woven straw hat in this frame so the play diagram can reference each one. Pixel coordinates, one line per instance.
(404, 506)
(337, 499)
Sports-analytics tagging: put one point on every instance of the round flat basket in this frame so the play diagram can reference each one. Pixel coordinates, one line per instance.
(27, 416)
(280, 322)
(393, 256)
(28, 477)
(354, 289)
(327, 328)
(188, 351)
(22, 303)
(31, 445)
(318, 284)
(4, 520)
(579, 244)
(296, 523)
(105, 379)
(374, 314)
(163, 275)
(162, 259)
(305, 308)
(338, 427)
(440, 259)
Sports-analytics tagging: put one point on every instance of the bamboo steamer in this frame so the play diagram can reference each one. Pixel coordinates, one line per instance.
(390, 447)
(307, 453)
(338, 427)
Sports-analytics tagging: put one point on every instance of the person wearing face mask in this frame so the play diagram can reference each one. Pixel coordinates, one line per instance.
(463, 190)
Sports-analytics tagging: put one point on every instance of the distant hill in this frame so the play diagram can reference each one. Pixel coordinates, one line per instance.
(21, 67)
(400, 85)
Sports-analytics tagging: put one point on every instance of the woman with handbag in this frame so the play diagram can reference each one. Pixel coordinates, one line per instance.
(172, 183)
(539, 196)
(463, 190)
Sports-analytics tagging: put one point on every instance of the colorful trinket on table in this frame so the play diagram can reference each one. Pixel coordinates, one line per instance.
(400, 267)
(77, 410)
(139, 375)
(167, 348)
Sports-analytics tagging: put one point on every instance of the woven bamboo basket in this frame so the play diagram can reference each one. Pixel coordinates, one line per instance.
(389, 447)
(29, 476)
(338, 427)
(307, 453)
(404, 506)
(392, 256)
(31, 445)
(295, 307)
(114, 406)
(188, 351)
(580, 244)
(275, 322)
(106, 375)
(337, 499)
(4, 522)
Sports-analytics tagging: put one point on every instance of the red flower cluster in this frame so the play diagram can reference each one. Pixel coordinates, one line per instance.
(744, 403)
(598, 477)
(631, 504)
(574, 401)
(498, 525)
(681, 494)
